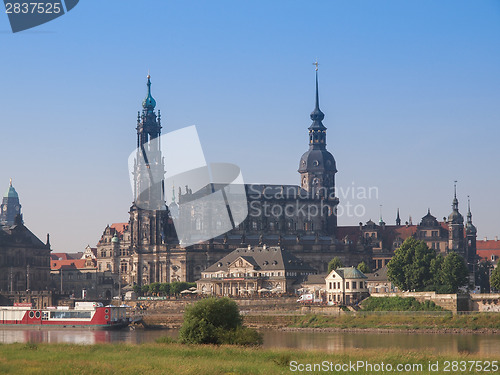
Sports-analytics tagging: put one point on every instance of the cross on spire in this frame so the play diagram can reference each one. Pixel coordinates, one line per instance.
(316, 64)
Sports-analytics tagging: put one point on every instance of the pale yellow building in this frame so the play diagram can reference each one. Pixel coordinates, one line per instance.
(346, 286)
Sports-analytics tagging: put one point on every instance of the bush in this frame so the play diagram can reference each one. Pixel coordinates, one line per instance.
(398, 304)
(240, 336)
(216, 321)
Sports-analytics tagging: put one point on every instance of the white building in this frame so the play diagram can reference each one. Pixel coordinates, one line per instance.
(346, 286)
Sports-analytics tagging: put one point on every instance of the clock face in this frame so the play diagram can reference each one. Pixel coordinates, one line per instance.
(4, 208)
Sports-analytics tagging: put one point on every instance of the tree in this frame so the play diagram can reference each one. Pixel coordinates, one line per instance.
(495, 278)
(137, 289)
(334, 264)
(410, 267)
(363, 267)
(154, 288)
(216, 321)
(165, 289)
(453, 273)
(435, 282)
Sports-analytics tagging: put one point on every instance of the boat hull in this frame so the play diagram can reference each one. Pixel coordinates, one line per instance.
(85, 315)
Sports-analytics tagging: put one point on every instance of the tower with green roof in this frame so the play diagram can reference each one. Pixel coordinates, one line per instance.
(10, 207)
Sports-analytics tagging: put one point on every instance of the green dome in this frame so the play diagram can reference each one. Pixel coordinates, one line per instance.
(149, 102)
(11, 192)
(115, 239)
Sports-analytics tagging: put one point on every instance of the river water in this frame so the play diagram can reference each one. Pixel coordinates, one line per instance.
(327, 341)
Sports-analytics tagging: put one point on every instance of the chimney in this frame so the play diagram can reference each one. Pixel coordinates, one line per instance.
(485, 239)
(496, 238)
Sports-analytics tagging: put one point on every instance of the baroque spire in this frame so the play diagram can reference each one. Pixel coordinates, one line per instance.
(316, 115)
(149, 102)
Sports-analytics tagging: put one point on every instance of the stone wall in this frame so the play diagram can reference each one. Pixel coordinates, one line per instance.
(487, 302)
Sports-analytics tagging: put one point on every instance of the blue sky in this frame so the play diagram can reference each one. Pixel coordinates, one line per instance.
(410, 90)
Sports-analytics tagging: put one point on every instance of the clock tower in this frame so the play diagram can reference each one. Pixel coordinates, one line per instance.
(317, 166)
(10, 207)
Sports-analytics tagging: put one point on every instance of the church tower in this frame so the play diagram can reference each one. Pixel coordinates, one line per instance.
(471, 234)
(10, 207)
(317, 166)
(149, 223)
(456, 228)
(317, 169)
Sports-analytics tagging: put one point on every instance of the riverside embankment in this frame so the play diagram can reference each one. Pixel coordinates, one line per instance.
(287, 314)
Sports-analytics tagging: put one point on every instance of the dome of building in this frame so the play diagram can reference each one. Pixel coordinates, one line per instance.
(149, 102)
(115, 239)
(11, 192)
(317, 160)
(456, 217)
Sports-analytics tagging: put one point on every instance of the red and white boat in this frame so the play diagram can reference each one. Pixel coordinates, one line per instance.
(91, 315)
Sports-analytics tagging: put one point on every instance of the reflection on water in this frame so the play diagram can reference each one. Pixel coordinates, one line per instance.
(339, 341)
(328, 341)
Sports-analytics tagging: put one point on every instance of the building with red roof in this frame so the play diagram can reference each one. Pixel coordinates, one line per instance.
(489, 250)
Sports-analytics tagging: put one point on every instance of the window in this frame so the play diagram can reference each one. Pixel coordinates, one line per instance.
(338, 285)
(434, 233)
(330, 286)
(354, 286)
(347, 285)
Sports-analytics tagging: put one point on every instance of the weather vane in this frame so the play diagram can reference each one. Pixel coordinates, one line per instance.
(316, 64)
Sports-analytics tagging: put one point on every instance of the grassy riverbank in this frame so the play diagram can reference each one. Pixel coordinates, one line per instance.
(179, 359)
(472, 322)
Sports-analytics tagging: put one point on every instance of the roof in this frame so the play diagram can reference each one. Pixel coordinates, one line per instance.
(487, 248)
(315, 279)
(11, 193)
(19, 234)
(69, 264)
(349, 273)
(119, 227)
(489, 254)
(488, 245)
(379, 275)
(263, 259)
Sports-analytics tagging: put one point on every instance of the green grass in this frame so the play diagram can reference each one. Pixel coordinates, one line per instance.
(398, 321)
(184, 359)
